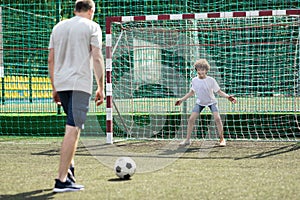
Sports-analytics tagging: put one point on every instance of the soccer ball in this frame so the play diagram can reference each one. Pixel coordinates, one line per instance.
(125, 167)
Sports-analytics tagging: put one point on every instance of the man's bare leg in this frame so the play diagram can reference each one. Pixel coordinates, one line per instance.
(67, 152)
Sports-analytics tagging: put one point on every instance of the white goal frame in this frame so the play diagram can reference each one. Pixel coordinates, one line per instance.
(121, 19)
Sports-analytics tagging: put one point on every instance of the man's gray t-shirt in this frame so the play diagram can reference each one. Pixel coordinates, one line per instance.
(73, 66)
(204, 90)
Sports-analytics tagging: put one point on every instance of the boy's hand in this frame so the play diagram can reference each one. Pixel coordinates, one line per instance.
(231, 98)
(178, 102)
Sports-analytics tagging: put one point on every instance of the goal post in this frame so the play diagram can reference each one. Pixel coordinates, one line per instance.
(1, 59)
(254, 55)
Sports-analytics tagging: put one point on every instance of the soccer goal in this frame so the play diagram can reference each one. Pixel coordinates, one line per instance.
(253, 55)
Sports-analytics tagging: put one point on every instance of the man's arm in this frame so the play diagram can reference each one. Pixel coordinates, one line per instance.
(51, 64)
(51, 73)
(99, 74)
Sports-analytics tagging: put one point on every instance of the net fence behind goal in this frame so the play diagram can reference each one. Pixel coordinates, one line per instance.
(24, 41)
(253, 56)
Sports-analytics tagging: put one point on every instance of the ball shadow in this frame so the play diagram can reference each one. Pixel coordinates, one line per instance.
(118, 180)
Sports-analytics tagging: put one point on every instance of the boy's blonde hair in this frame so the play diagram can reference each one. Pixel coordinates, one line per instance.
(202, 64)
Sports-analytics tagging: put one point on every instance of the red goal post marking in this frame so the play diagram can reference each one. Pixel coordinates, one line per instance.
(120, 19)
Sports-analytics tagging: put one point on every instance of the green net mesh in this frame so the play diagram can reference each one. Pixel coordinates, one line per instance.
(25, 27)
(256, 59)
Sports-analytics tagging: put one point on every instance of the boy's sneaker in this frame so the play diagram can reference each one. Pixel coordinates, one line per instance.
(223, 143)
(71, 176)
(67, 186)
(185, 143)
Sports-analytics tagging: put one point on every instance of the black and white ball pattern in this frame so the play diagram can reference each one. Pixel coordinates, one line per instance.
(125, 167)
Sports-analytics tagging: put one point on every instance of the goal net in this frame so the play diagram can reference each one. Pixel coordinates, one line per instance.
(253, 56)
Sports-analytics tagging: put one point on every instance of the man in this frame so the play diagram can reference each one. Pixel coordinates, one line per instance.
(74, 52)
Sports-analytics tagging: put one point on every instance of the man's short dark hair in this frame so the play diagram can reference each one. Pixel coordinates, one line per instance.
(84, 5)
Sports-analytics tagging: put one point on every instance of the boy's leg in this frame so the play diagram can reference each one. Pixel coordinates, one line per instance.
(214, 109)
(191, 123)
(219, 124)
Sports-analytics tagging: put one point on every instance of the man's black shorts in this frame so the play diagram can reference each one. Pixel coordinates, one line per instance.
(76, 106)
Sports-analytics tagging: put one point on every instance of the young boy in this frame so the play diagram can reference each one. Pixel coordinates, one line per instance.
(204, 87)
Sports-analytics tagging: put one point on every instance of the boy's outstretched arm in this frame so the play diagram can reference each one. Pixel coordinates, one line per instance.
(229, 97)
(188, 95)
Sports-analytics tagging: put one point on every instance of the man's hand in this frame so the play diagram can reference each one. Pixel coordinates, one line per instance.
(55, 97)
(99, 97)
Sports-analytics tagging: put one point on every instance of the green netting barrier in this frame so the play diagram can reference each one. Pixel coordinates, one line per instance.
(25, 27)
(254, 58)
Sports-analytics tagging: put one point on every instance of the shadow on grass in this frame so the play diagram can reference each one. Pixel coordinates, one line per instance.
(118, 180)
(34, 195)
(168, 153)
(274, 152)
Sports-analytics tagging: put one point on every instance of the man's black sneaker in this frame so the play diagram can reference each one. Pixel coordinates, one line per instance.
(67, 186)
(71, 176)
(72, 168)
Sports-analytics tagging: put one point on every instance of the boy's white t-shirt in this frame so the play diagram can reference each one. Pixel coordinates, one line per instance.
(204, 90)
(73, 66)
